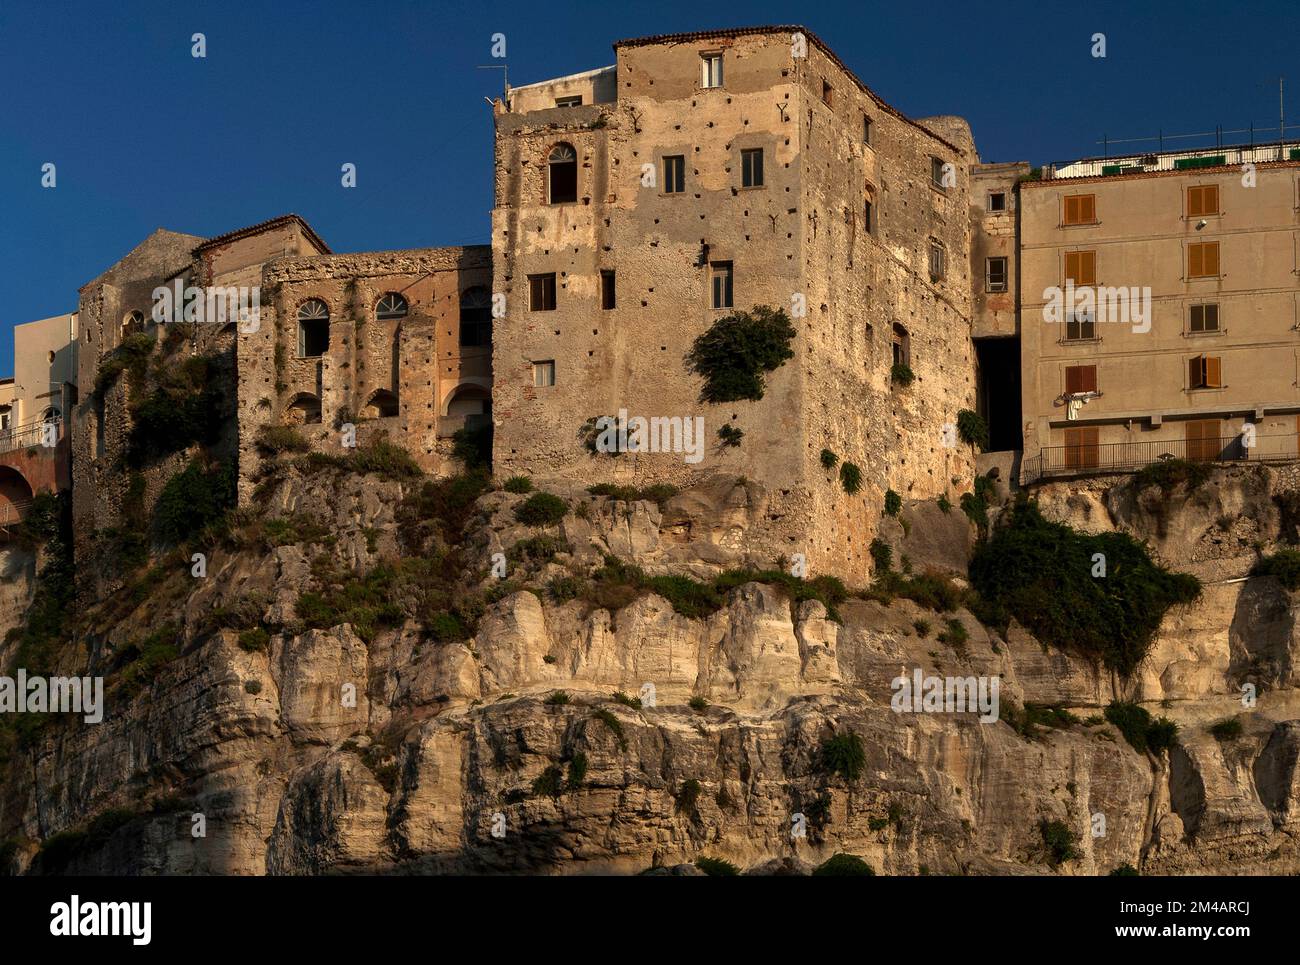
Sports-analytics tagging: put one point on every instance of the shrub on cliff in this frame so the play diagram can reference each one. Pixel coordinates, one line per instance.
(1040, 572)
(844, 755)
(1284, 565)
(541, 509)
(1140, 729)
(843, 866)
(194, 499)
(738, 349)
(972, 429)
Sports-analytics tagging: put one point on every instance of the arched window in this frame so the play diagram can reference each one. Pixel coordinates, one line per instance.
(133, 323)
(382, 405)
(475, 316)
(562, 174)
(313, 328)
(391, 306)
(51, 414)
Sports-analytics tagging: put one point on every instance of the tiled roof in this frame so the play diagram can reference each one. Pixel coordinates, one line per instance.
(266, 226)
(682, 38)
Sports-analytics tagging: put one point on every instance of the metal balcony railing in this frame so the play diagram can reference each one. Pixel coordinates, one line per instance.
(30, 434)
(1084, 460)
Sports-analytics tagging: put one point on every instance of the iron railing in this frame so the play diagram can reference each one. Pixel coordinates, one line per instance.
(1083, 460)
(24, 436)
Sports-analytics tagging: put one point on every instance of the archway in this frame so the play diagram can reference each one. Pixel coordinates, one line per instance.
(15, 495)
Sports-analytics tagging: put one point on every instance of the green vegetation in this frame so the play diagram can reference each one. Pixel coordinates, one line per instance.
(1171, 473)
(1138, 727)
(541, 509)
(972, 429)
(1040, 573)
(273, 440)
(473, 446)
(698, 703)
(944, 503)
(186, 405)
(658, 493)
(1028, 720)
(621, 698)
(615, 726)
(844, 866)
(550, 782)
(537, 549)
(131, 356)
(518, 484)
(1227, 730)
(1125, 871)
(922, 628)
(844, 755)
(139, 662)
(881, 555)
(954, 635)
(1060, 844)
(1284, 565)
(901, 374)
(59, 850)
(194, 500)
(828, 459)
(558, 698)
(976, 504)
(731, 435)
(893, 503)
(737, 350)
(378, 457)
(717, 868)
(577, 770)
(850, 478)
(688, 797)
(254, 640)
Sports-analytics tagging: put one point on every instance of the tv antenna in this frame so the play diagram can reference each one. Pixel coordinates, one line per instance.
(505, 77)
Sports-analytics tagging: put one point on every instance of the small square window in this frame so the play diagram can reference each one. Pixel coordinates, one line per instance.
(751, 164)
(722, 284)
(544, 374)
(541, 293)
(997, 202)
(1204, 318)
(995, 275)
(606, 290)
(573, 100)
(1080, 327)
(674, 174)
(939, 172)
(711, 70)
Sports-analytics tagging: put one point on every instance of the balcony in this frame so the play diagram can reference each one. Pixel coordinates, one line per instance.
(26, 436)
(1062, 462)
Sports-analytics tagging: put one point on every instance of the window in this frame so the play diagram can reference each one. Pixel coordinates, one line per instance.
(1202, 199)
(868, 216)
(937, 172)
(866, 129)
(828, 94)
(475, 317)
(1204, 318)
(995, 274)
(313, 329)
(751, 165)
(1204, 372)
(1080, 209)
(1081, 267)
(674, 174)
(711, 70)
(607, 299)
(544, 374)
(572, 100)
(1202, 437)
(1203, 259)
(901, 343)
(6, 417)
(51, 414)
(133, 323)
(722, 284)
(1081, 447)
(997, 202)
(562, 174)
(1080, 378)
(1080, 327)
(541, 293)
(936, 261)
(391, 306)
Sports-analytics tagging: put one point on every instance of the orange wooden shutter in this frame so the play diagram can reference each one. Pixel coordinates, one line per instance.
(1087, 209)
(1071, 210)
(1195, 261)
(1213, 372)
(1073, 379)
(1211, 264)
(1071, 265)
(1089, 373)
(1081, 447)
(1087, 268)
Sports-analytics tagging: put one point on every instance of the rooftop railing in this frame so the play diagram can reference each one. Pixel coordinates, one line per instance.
(1114, 457)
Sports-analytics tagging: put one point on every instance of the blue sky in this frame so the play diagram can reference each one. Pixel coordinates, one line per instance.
(144, 135)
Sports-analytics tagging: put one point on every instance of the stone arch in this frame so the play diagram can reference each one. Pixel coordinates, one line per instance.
(470, 397)
(303, 410)
(15, 495)
(382, 404)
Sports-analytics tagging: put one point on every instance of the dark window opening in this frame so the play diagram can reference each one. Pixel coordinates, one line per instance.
(995, 275)
(722, 284)
(607, 300)
(562, 174)
(674, 174)
(541, 293)
(997, 396)
(1204, 318)
(751, 164)
(475, 317)
(997, 201)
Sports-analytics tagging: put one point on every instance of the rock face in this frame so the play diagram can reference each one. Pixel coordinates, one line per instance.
(335, 749)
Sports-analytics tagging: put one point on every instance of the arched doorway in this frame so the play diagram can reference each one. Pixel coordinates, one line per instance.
(15, 495)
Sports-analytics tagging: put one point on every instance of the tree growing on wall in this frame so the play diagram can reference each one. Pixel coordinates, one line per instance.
(738, 350)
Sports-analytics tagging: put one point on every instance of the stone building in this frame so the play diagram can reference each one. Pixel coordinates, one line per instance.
(721, 170)
(1192, 348)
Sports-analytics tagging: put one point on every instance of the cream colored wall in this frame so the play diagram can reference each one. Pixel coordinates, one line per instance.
(1141, 239)
(38, 380)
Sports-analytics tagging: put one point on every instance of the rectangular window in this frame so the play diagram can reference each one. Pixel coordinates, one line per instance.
(866, 129)
(573, 100)
(995, 275)
(1204, 372)
(1081, 267)
(936, 261)
(541, 293)
(1202, 199)
(544, 373)
(1203, 439)
(722, 284)
(997, 202)
(1203, 259)
(1080, 209)
(828, 94)
(1081, 447)
(751, 164)
(1080, 327)
(1204, 318)
(937, 171)
(606, 290)
(674, 174)
(868, 216)
(1080, 378)
(711, 70)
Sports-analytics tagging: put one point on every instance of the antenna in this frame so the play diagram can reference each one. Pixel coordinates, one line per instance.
(505, 77)
(1281, 118)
